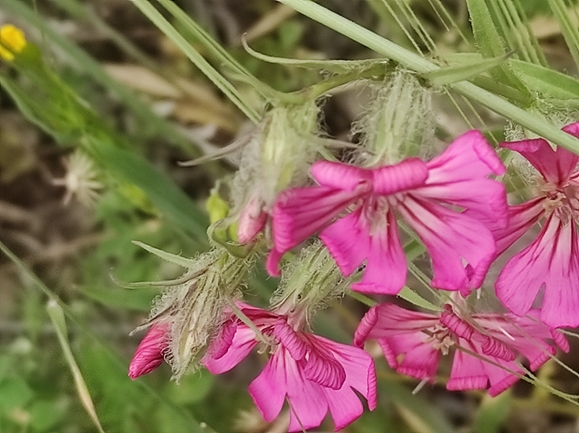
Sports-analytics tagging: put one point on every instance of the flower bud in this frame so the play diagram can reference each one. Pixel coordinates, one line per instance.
(398, 122)
(278, 156)
(192, 312)
(150, 353)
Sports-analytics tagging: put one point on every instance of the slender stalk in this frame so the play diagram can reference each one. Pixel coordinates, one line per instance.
(412, 61)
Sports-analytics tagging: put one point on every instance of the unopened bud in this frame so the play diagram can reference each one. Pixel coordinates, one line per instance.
(150, 352)
(398, 122)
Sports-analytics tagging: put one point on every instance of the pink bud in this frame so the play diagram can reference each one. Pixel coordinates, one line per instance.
(251, 221)
(149, 354)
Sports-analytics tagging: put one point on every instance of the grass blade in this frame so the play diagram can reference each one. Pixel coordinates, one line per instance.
(57, 317)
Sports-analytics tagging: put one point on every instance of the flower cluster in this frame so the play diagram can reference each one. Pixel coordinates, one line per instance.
(362, 212)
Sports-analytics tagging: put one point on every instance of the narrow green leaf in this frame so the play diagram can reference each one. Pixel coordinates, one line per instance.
(568, 28)
(150, 122)
(414, 62)
(172, 258)
(551, 83)
(198, 60)
(103, 349)
(57, 317)
(454, 74)
(490, 42)
(415, 299)
(336, 66)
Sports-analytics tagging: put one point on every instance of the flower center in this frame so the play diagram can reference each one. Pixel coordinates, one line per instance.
(375, 212)
(562, 200)
(440, 337)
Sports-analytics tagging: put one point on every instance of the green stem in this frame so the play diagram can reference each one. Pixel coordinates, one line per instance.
(421, 65)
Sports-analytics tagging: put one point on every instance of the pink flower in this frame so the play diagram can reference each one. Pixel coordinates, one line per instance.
(552, 259)
(430, 196)
(314, 374)
(149, 354)
(413, 342)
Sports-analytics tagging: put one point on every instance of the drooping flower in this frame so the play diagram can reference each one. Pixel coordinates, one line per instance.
(314, 374)
(487, 346)
(430, 196)
(552, 259)
(150, 352)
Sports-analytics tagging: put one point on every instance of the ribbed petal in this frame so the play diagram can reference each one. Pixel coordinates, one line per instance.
(408, 174)
(323, 369)
(467, 372)
(450, 238)
(551, 260)
(350, 243)
(149, 353)
(360, 375)
(243, 342)
(554, 165)
(301, 212)
(290, 340)
(339, 176)
(386, 320)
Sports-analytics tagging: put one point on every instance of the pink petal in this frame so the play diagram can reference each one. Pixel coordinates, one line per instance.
(467, 157)
(408, 174)
(467, 372)
(360, 375)
(462, 169)
(449, 238)
(421, 362)
(386, 320)
(347, 240)
(350, 243)
(149, 353)
(268, 390)
(339, 176)
(521, 218)
(323, 369)
(290, 339)
(551, 260)
(554, 165)
(301, 212)
(243, 342)
(251, 221)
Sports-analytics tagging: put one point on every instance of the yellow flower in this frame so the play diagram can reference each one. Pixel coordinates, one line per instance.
(12, 41)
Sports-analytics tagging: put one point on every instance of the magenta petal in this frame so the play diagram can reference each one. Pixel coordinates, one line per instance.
(323, 369)
(554, 165)
(551, 260)
(243, 341)
(360, 375)
(386, 269)
(299, 213)
(521, 218)
(339, 176)
(467, 372)
(466, 158)
(462, 169)
(449, 238)
(408, 174)
(347, 241)
(149, 353)
(421, 362)
(268, 390)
